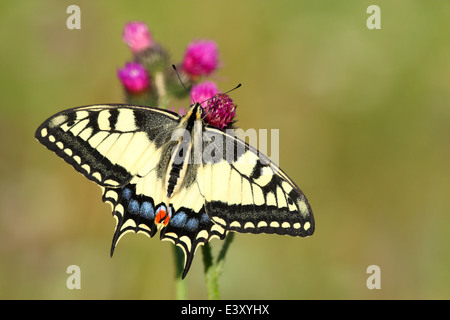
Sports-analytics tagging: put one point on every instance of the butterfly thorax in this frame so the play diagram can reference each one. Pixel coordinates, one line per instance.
(181, 155)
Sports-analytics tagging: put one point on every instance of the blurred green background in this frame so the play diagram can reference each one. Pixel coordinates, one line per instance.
(364, 131)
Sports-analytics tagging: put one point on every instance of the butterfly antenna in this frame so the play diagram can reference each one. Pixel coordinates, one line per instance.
(210, 109)
(181, 81)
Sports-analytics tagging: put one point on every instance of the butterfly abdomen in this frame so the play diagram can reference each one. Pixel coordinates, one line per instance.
(177, 167)
(174, 175)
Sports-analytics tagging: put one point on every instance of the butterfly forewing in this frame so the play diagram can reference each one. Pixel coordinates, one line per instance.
(246, 192)
(108, 144)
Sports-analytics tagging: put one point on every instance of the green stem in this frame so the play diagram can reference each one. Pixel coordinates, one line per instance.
(160, 85)
(223, 252)
(181, 292)
(211, 274)
(214, 270)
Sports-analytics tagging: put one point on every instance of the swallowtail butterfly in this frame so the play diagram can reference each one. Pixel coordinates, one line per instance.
(154, 181)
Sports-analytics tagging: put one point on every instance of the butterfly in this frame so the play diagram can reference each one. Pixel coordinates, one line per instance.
(176, 174)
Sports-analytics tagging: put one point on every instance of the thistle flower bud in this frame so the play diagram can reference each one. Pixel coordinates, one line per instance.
(203, 91)
(137, 36)
(173, 84)
(134, 77)
(153, 59)
(201, 58)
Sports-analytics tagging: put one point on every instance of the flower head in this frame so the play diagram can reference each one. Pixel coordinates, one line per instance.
(201, 58)
(134, 77)
(203, 91)
(220, 111)
(137, 36)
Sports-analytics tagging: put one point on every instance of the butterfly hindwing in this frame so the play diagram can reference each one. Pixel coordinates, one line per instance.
(189, 226)
(133, 213)
(189, 230)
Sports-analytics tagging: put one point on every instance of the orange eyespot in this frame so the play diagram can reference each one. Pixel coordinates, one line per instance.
(162, 216)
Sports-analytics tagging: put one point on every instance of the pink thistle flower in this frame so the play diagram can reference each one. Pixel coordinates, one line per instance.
(201, 58)
(220, 111)
(203, 91)
(181, 111)
(134, 77)
(137, 36)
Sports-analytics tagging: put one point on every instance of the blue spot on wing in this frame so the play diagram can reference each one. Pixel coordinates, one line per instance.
(147, 210)
(192, 224)
(204, 219)
(133, 206)
(179, 220)
(126, 194)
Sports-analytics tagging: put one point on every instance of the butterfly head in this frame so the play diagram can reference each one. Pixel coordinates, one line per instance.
(196, 112)
(199, 111)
